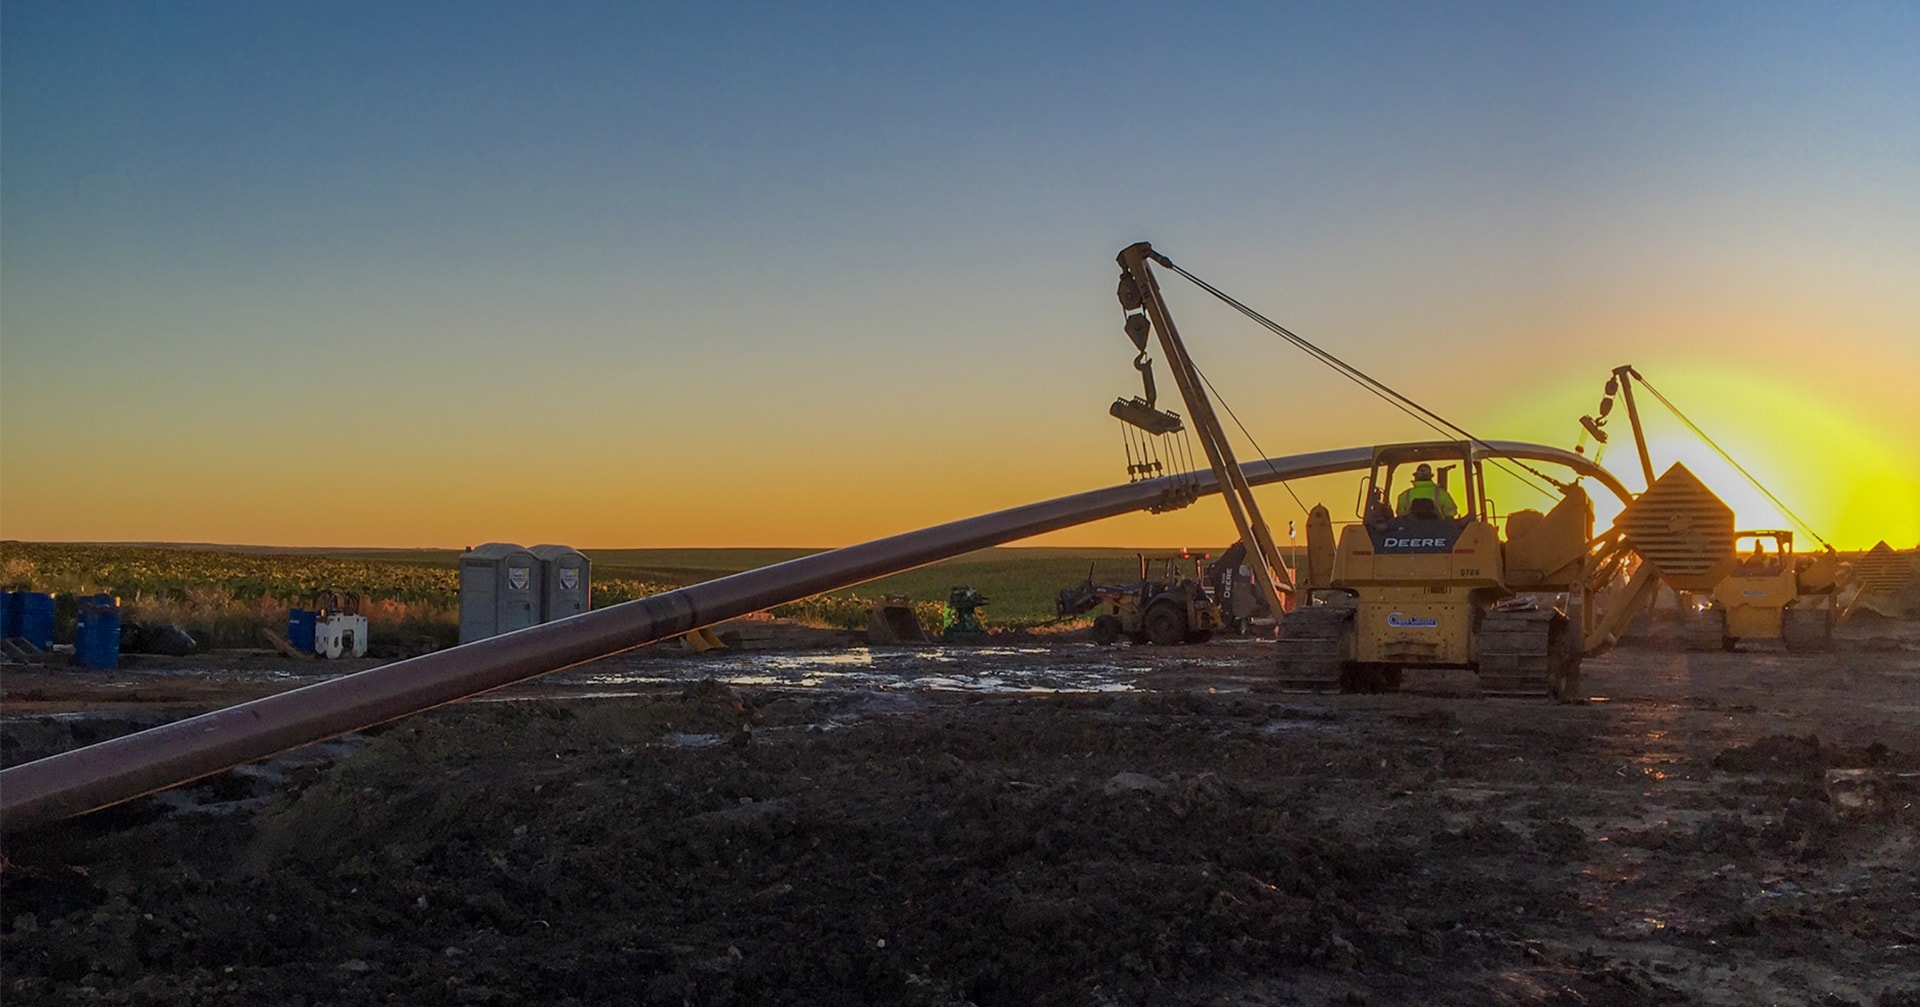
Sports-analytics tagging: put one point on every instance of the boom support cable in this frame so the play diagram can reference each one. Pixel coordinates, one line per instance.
(1702, 434)
(1248, 434)
(1434, 421)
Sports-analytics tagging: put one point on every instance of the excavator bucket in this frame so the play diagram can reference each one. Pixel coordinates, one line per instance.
(891, 621)
(1682, 529)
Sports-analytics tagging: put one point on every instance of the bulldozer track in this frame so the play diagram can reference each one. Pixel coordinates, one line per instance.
(1705, 629)
(1527, 653)
(1806, 627)
(1314, 646)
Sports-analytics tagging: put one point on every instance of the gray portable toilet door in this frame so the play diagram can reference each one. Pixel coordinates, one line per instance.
(479, 593)
(520, 592)
(567, 593)
(568, 588)
(564, 576)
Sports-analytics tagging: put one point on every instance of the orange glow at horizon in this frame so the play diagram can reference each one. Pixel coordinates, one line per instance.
(1850, 479)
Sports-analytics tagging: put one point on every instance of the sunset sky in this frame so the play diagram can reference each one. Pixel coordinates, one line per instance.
(632, 275)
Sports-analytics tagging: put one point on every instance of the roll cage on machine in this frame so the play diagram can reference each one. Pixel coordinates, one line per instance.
(1377, 492)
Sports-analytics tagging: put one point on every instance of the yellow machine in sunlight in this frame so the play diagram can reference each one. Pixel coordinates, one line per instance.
(1767, 593)
(1771, 595)
(1421, 589)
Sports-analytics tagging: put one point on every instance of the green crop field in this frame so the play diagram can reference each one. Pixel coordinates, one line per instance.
(226, 595)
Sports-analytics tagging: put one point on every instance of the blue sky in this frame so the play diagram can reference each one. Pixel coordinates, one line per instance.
(678, 253)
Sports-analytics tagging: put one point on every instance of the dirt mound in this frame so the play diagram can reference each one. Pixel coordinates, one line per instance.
(1807, 829)
(1784, 754)
(544, 856)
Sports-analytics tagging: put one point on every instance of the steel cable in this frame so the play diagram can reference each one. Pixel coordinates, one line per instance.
(1702, 434)
(1217, 397)
(1432, 420)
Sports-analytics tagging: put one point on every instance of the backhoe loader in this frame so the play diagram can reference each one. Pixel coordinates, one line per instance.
(1164, 610)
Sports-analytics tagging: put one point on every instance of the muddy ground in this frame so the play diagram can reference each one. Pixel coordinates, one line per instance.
(943, 828)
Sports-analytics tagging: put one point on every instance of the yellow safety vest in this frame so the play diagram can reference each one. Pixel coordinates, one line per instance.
(1427, 489)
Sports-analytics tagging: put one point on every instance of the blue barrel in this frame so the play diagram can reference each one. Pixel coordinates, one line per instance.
(96, 641)
(300, 623)
(33, 618)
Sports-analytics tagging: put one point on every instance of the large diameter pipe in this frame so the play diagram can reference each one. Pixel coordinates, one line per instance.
(86, 779)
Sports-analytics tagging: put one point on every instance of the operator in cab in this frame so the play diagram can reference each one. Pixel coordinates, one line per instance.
(1424, 488)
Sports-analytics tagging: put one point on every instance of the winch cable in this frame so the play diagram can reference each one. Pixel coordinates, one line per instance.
(1431, 419)
(1186, 450)
(1702, 434)
(1248, 434)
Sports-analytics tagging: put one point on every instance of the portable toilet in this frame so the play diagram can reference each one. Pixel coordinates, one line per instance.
(6, 614)
(32, 618)
(300, 629)
(96, 641)
(564, 581)
(499, 590)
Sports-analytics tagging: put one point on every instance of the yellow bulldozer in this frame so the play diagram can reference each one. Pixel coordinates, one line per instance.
(1413, 586)
(1770, 595)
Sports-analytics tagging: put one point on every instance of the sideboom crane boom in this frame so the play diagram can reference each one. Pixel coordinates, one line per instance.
(1140, 297)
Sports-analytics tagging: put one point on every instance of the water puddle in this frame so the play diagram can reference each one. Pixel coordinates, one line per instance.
(1000, 670)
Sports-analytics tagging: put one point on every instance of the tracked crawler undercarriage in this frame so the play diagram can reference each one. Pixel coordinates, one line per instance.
(1519, 653)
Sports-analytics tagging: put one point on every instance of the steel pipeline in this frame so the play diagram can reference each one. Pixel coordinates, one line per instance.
(85, 779)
